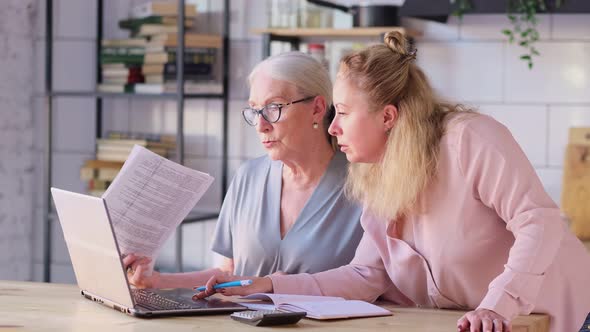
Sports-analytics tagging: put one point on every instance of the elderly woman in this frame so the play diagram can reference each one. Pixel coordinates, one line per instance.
(454, 215)
(285, 212)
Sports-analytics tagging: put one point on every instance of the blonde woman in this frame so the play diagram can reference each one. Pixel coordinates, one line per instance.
(454, 214)
(286, 211)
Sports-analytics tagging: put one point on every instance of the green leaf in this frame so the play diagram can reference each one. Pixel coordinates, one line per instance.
(534, 51)
(525, 57)
(524, 43)
(530, 65)
(507, 32)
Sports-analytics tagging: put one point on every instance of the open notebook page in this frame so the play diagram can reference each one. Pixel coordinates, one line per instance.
(270, 301)
(317, 307)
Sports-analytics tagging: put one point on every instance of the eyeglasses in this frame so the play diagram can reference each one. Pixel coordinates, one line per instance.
(270, 112)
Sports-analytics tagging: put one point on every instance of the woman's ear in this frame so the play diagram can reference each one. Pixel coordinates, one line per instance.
(389, 117)
(319, 108)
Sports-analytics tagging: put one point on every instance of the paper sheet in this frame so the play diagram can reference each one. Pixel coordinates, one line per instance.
(149, 198)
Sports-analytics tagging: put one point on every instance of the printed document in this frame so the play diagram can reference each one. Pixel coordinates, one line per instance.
(149, 198)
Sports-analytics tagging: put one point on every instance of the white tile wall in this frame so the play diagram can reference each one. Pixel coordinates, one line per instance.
(552, 180)
(561, 74)
(530, 135)
(433, 31)
(571, 26)
(464, 71)
(489, 27)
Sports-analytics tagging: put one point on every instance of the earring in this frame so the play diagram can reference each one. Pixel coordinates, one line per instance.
(316, 125)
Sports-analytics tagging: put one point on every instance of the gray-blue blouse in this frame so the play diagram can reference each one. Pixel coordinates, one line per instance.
(324, 236)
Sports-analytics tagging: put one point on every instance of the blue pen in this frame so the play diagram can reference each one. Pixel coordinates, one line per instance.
(236, 283)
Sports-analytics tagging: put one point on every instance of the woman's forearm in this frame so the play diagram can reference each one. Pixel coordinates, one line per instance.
(187, 279)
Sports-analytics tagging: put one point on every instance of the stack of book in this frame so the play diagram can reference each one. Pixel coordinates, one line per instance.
(112, 153)
(146, 62)
(121, 61)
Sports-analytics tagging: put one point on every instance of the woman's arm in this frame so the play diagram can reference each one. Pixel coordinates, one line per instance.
(195, 278)
(139, 275)
(365, 278)
(503, 179)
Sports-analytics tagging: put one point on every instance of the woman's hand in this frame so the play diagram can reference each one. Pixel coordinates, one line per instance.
(259, 285)
(483, 320)
(139, 272)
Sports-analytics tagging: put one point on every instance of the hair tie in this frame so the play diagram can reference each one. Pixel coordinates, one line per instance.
(412, 54)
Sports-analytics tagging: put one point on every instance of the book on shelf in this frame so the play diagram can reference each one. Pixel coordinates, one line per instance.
(103, 174)
(126, 42)
(190, 40)
(115, 88)
(98, 184)
(118, 149)
(134, 24)
(316, 307)
(122, 50)
(205, 87)
(100, 170)
(165, 78)
(128, 59)
(147, 30)
(168, 57)
(154, 8)
(109, 147)
(151, 138)
(170, 68)
(118, 71)
(120, 80)
(121, 76)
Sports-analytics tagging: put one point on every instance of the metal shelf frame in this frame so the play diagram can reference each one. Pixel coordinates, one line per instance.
(179, 97)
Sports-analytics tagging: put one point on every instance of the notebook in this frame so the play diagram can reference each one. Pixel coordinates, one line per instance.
(316, 307)
(96, 259)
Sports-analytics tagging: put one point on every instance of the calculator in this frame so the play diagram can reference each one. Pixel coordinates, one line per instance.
(267, 317)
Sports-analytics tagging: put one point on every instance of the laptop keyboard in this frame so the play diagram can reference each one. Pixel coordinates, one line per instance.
(154, 301)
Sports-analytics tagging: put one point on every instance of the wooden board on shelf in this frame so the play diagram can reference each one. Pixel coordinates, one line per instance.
(329, 32)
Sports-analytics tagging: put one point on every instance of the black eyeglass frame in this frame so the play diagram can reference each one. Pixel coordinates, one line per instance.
(260, 112)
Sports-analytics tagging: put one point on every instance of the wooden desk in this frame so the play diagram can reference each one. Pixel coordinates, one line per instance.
(27, 306)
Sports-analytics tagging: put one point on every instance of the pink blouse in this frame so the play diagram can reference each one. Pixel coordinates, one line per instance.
(490, 238)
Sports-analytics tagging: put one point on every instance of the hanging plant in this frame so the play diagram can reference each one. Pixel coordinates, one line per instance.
(461, 7)
(523, 17)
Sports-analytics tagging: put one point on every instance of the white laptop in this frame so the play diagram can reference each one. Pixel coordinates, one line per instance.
(99, 270)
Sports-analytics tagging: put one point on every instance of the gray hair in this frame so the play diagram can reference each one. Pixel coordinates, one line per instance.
(309, 76)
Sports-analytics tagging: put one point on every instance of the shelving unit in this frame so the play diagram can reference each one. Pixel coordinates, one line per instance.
(179, 97)
(296, 35)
